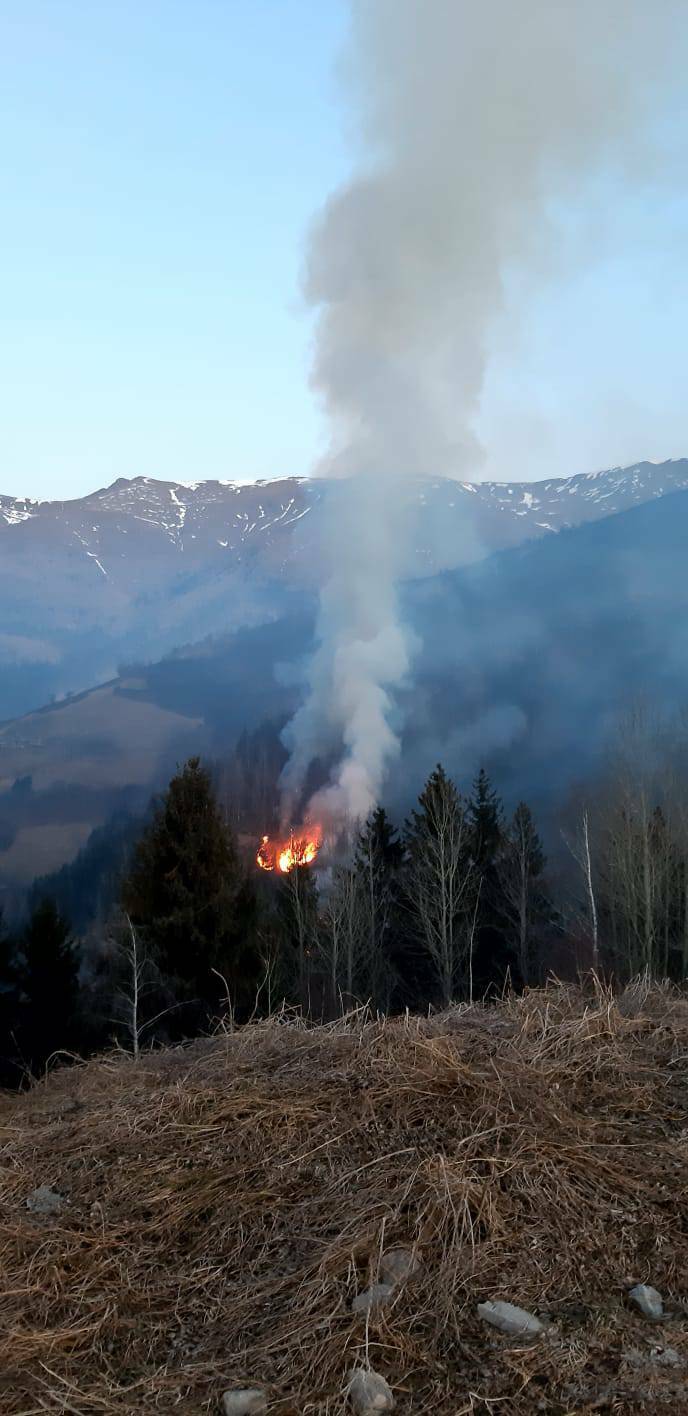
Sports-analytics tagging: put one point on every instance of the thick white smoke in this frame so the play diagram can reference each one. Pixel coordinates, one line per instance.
(476, 119)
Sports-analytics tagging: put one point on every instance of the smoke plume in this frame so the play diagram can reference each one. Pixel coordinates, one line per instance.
(475, 121)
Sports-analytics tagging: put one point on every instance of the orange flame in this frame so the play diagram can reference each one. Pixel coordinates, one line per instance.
(283, 856)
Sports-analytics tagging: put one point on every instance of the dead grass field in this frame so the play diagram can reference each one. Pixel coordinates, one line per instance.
(226, 1201)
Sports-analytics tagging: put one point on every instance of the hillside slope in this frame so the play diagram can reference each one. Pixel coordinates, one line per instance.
(524, 662)
(222, 1206)
(136, 569)
(528, 659)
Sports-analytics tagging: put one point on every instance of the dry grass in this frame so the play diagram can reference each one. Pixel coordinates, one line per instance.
(227, 1200)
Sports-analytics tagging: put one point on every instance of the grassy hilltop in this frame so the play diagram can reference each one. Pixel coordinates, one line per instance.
(224, 1203)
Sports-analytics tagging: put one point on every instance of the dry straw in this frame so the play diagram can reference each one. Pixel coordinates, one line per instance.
(226, 1201)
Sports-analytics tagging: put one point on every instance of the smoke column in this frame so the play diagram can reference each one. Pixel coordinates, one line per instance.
(475, 119)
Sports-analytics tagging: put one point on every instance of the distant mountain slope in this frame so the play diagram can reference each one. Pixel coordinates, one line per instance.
(66, 768)
(524, 662)
(135, 569)
(529, 658)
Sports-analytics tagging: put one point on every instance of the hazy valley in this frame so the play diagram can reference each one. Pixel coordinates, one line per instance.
(531, 638)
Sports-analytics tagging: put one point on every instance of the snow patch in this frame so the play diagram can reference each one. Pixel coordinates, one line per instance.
(93, 556)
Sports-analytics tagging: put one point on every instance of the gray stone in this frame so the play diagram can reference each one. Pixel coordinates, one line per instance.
(45, 1201)
(648, 1300)
(248, 1401)
(372, 1297)
(369, 1392)
(666, 1357)
(399, 1264)
(656, 1357)
(510, 1319)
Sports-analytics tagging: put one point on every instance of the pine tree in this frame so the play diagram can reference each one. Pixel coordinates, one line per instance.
(48, 979)
(379, 839)
(378, 859)
(485, 817)
(9, 1007)
(439, 884)
(486, 827)
(523, 903)
(189, 898)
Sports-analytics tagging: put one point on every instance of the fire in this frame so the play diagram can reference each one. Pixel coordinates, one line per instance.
(284, 855)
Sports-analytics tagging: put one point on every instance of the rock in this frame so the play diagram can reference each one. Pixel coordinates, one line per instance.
(510, 1319)
(648, 1300)
(656, 1357)
(248, 1401)
(373, 1297)
(45, 1201)
(369, 1392)
(399, 1264)
(666, 1357)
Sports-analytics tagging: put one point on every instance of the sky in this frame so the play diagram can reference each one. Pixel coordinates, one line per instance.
(162, 161)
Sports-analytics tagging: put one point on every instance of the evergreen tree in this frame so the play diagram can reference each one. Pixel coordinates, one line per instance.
(486, 827)
(48, 979)
(439, 885)
(379, 840)
(9, 1007)
(486, 822)
(189, 898)
(523, 903)
(378, 858)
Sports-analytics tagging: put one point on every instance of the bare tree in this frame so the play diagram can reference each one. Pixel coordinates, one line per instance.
(579, 846)
(298, 909)
(343, 936)
(270, 987)
(639, 824)
(140, 979)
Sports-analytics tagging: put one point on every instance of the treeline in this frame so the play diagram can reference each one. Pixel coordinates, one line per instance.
(450, 905)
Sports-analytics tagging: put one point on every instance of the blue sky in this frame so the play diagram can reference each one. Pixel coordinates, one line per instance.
(161, 162)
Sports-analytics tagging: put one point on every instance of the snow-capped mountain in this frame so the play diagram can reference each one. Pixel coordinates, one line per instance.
(205, 519)
(135, 569)
(523, 662)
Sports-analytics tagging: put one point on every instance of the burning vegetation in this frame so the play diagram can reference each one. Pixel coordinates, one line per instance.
(299, 849)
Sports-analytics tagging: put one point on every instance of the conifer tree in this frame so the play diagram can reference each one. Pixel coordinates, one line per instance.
(378, 859)
(439, 884)
(486, 827)
(48, 971)
(523, 902)
(190, 899)
(9, 1006)
(485, 818)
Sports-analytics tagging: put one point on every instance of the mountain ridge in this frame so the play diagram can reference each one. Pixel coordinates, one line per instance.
(524, 661)
(139, 567)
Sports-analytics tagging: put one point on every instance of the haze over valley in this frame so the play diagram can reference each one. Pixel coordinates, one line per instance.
(170, 620)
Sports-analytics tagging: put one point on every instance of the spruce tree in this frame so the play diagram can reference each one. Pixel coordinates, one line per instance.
(48, 971)
(486, 821)
(9, 1007)
(523, 902)
(190, 899)
(378, 859)
(486, 827)
(439, 886)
